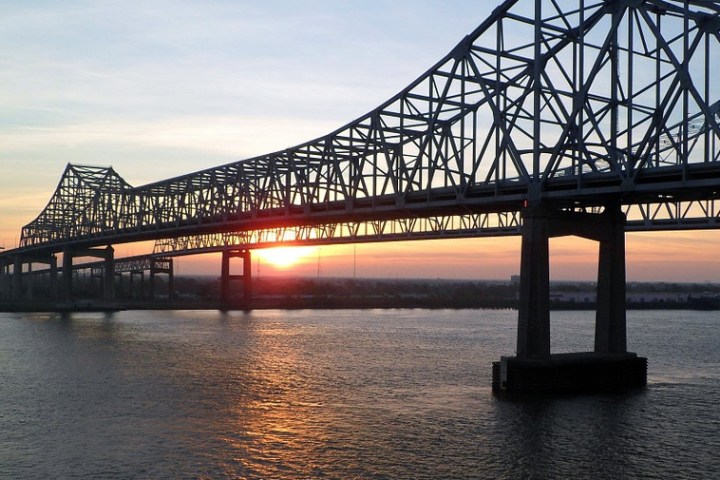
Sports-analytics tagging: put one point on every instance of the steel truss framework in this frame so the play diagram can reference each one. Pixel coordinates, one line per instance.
(137, 264)
(701, 214)
(456, 226)
(141, 263)
(575, 103)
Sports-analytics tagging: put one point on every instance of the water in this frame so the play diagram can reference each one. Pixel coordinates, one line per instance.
(378, 394)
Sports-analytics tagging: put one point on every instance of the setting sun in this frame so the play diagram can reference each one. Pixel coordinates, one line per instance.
(285, 257)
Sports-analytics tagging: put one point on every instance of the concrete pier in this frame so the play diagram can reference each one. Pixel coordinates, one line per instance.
(162, 266)
(226, 277)
(535, 369)
(570, 373)
(107, 254)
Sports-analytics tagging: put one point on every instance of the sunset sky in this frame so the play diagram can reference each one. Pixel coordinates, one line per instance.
(157, 89)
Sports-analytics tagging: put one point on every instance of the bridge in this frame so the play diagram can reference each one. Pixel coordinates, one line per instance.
(572, 117)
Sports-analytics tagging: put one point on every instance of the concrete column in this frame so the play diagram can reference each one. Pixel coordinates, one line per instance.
(3, 279)
(152, 283)
(53, 285)
(8, 279)
(119, 292)
(610, 320)
(109, 274)
(226, 277)
(141, 294)
(171, 280)
(17, 279)
(247, 275)
(29, 294)
(67, 273)
(534, 303)
(158, 266)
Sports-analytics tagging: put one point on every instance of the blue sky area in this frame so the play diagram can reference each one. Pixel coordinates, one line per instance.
(158, 89)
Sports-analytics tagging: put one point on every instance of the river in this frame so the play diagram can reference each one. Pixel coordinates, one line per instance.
(342, 394)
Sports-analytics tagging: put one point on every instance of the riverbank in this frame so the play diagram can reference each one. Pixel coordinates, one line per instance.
(202, 293)
(328, 302)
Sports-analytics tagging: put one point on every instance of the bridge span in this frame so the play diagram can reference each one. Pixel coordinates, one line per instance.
(549, 119)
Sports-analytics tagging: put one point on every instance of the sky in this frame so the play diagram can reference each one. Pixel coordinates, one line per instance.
(158, 89)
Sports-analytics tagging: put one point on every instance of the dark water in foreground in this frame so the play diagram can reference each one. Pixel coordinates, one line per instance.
(378, 394)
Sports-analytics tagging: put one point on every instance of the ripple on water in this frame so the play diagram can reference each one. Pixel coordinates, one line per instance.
(339, 394)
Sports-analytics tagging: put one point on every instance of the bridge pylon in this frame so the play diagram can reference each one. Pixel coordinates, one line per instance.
(162, 266)
(534, 368)
(108, 256)
(226, 277)
(18, 280)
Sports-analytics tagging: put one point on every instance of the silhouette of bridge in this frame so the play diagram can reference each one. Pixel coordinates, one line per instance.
(588, 118)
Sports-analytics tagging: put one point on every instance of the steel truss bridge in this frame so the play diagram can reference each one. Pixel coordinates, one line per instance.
(550, 113)
(574, 103)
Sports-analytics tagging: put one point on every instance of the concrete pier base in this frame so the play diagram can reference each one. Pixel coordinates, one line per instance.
(570, 373)
(610, 366)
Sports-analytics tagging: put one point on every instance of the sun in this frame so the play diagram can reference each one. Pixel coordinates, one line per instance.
(285, 257)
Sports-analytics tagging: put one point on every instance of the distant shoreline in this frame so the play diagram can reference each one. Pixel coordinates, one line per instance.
(327, 303)
(289, 293)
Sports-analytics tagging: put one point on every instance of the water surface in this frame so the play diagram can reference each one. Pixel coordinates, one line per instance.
(365, 394)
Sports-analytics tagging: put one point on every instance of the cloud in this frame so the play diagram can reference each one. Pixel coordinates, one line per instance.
(236, 136)
(162, 88)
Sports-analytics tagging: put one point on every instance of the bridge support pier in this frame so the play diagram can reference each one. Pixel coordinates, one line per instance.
(609, 366)
(108, 276)
(53, 278)
(533, 336)
(141, 284)
(4, 277)
(226, 277)
(162, 266)
(610, 323)
(17, 279)
(22, 285)
(67, 274)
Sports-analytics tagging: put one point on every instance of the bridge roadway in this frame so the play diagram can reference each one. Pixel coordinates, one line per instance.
(588, 120)
(667, 198)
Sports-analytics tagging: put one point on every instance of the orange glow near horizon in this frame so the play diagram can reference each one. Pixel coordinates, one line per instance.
(285, 257)
(678, 256)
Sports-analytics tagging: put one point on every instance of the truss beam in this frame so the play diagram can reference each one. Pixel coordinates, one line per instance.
(576, 104)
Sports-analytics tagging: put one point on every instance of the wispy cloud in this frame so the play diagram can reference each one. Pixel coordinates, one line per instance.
(162, 88)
